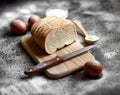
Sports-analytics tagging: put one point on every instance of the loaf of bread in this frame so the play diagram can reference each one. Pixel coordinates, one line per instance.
(52, 33)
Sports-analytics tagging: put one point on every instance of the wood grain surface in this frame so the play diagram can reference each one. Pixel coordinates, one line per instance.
(62, 69)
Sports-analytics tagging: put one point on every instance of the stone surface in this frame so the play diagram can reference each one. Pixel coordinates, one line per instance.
(99, 17)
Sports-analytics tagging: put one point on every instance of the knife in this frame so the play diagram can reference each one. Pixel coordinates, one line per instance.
(55, 61)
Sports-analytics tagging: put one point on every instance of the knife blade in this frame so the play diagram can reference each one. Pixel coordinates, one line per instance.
(55, 61)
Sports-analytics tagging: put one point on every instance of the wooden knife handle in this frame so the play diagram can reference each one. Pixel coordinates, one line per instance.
(43, 66)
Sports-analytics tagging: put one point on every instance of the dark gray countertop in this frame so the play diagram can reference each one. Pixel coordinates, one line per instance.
(100, 17)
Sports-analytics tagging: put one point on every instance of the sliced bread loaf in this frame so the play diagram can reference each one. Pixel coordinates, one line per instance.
(52, 33)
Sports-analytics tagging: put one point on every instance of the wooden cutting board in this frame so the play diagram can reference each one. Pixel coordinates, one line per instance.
(62, 69)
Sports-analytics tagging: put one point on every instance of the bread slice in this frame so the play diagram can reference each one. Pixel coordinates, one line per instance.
(52, 33)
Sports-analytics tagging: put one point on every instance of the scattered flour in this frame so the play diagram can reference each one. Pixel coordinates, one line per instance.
(109, 55)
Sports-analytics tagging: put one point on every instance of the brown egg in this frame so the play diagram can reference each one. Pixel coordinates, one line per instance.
(32, 20)
(93, 68)
(18, 27)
